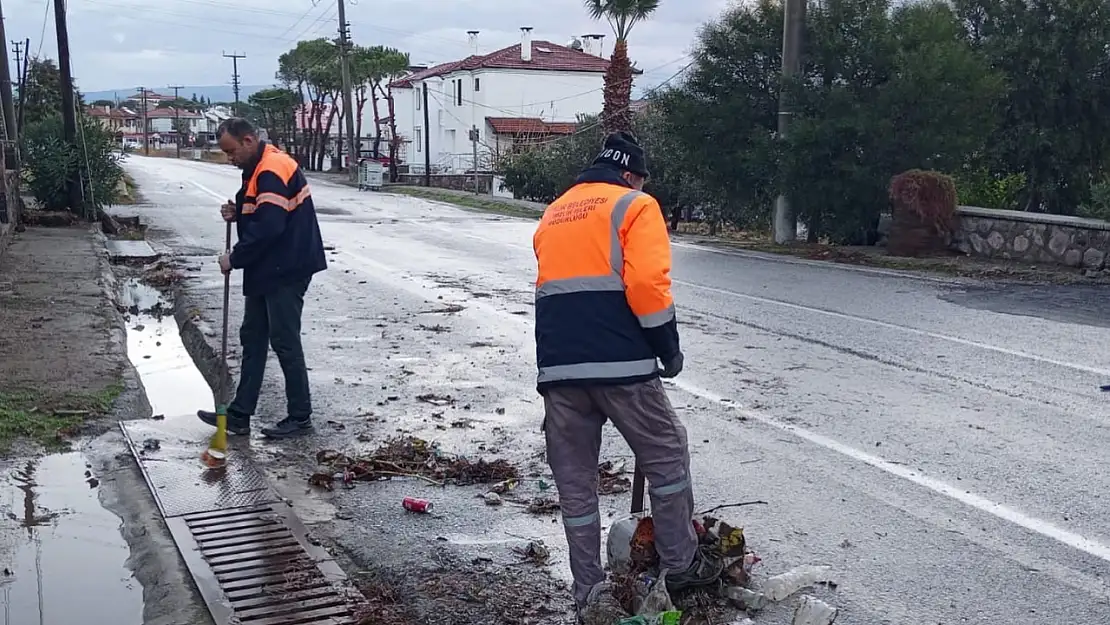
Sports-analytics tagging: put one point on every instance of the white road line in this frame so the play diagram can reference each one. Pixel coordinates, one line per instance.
(972, 500)
(894, 326)
(982, 504)
(219, 196)
(847, 317)
(1006, 513)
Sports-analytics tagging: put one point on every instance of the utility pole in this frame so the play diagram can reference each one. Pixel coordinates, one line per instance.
(235, 77)
(354, 147)
(6, 84)
(427, 141)
(69, 107)
(793, 25)
(146, 122)
(177, 116)
(23, 86)
(474, 146)
(17, 48)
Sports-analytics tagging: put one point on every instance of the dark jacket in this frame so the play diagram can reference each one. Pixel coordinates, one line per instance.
(604, 309)
(279, 237)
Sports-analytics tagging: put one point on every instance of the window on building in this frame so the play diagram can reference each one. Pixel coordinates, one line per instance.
(418, 103)
(418, 139)
(477, 84)
(458, 92)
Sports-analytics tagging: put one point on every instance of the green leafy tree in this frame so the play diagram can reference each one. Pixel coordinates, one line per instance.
(50, 161)
(275, 110)
(1055, 127)
(372, 68)
(312, 69)
(622, 15)
(43, 91)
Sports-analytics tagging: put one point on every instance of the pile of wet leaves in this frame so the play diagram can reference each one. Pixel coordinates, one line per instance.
(408, 456)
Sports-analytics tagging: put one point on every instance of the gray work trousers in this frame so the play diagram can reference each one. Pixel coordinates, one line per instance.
(643, 415)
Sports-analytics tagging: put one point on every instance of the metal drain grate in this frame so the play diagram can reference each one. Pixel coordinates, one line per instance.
(256, 567)
(248, 552)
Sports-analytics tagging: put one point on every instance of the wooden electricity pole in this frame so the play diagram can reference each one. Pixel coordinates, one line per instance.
(793, 26)
(69, 106)
(177, 116)
(354, 147)
(6, 83)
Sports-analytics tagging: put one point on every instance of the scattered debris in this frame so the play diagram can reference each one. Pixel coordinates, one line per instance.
(611, 479)
(437, 328)
(504, 487)
(409, 457)
(785, 584)
(152, 444)
(492, 499)
(436, 400)
(462, 424)
(812, 611)
(446, 310)
(543, 505)
(535, 552)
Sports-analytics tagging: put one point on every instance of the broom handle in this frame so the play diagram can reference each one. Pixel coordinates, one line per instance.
(638, 490)
(222, 400)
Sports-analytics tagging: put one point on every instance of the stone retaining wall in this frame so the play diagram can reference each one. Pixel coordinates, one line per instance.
(455, 182)
(1032, 237)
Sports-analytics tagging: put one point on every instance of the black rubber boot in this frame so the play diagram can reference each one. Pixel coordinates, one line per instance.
(238, 426)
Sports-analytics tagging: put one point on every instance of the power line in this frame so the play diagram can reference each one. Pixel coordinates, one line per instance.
(42, 35)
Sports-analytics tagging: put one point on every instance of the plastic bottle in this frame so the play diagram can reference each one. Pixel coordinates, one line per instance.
(782, 586)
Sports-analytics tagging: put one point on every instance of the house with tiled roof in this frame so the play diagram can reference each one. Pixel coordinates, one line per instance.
(528, 92)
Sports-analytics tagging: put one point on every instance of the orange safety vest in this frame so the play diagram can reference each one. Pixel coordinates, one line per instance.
(604, 309)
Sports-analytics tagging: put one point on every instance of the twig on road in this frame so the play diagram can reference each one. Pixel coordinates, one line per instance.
(735, 505)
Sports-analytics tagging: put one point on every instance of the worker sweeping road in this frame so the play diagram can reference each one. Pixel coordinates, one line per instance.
(279, 249)
(605, 320)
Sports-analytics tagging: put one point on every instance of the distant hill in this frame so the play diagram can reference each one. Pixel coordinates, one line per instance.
(218, 93)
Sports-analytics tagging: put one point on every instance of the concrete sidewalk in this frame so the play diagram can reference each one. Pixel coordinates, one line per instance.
(80, 539)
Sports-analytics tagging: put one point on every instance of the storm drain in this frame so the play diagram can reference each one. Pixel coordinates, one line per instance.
(250, 555)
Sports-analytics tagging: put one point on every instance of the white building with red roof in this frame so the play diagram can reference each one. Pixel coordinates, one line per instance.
(532, 91)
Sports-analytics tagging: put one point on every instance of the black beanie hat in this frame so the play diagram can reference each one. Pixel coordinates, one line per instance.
(621, 150)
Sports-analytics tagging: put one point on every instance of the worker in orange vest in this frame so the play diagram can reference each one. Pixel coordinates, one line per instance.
(605, 320)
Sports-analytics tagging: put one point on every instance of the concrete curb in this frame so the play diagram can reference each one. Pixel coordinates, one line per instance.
(193, 336)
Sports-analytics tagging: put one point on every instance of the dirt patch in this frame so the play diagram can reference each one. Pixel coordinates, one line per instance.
(408, 457)
(459, 593)
(62, 354)
(49, 219)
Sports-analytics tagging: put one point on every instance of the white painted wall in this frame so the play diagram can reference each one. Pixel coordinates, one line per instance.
(165, 124)
(551, 96)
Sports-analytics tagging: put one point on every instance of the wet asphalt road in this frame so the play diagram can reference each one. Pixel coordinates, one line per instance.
(942, 445)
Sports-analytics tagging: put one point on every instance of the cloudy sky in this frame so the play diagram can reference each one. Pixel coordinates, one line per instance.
(120, 44)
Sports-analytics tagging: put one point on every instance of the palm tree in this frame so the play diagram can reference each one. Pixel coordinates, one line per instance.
(622, 15)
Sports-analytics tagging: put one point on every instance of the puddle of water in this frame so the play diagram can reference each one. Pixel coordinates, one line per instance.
(174, 386)
(62, 558)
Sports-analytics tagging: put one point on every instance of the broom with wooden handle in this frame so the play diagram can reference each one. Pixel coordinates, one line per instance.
(215, 457)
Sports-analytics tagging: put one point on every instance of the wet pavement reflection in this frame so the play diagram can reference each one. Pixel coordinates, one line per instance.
(62, 558)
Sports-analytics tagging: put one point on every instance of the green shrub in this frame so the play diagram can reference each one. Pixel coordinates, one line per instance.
(1099, 205)
(980, 187)
(50, 161)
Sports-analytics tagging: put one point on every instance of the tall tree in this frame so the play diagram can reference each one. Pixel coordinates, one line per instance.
(1056, 113)
(622, 16)
(312, 69)
(379, 65)
(275, 110)
(44, 95)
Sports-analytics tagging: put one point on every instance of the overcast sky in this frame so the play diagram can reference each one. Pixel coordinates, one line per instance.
(119, 44)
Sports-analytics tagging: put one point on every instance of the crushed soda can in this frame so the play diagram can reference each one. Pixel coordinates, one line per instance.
(421, 506)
